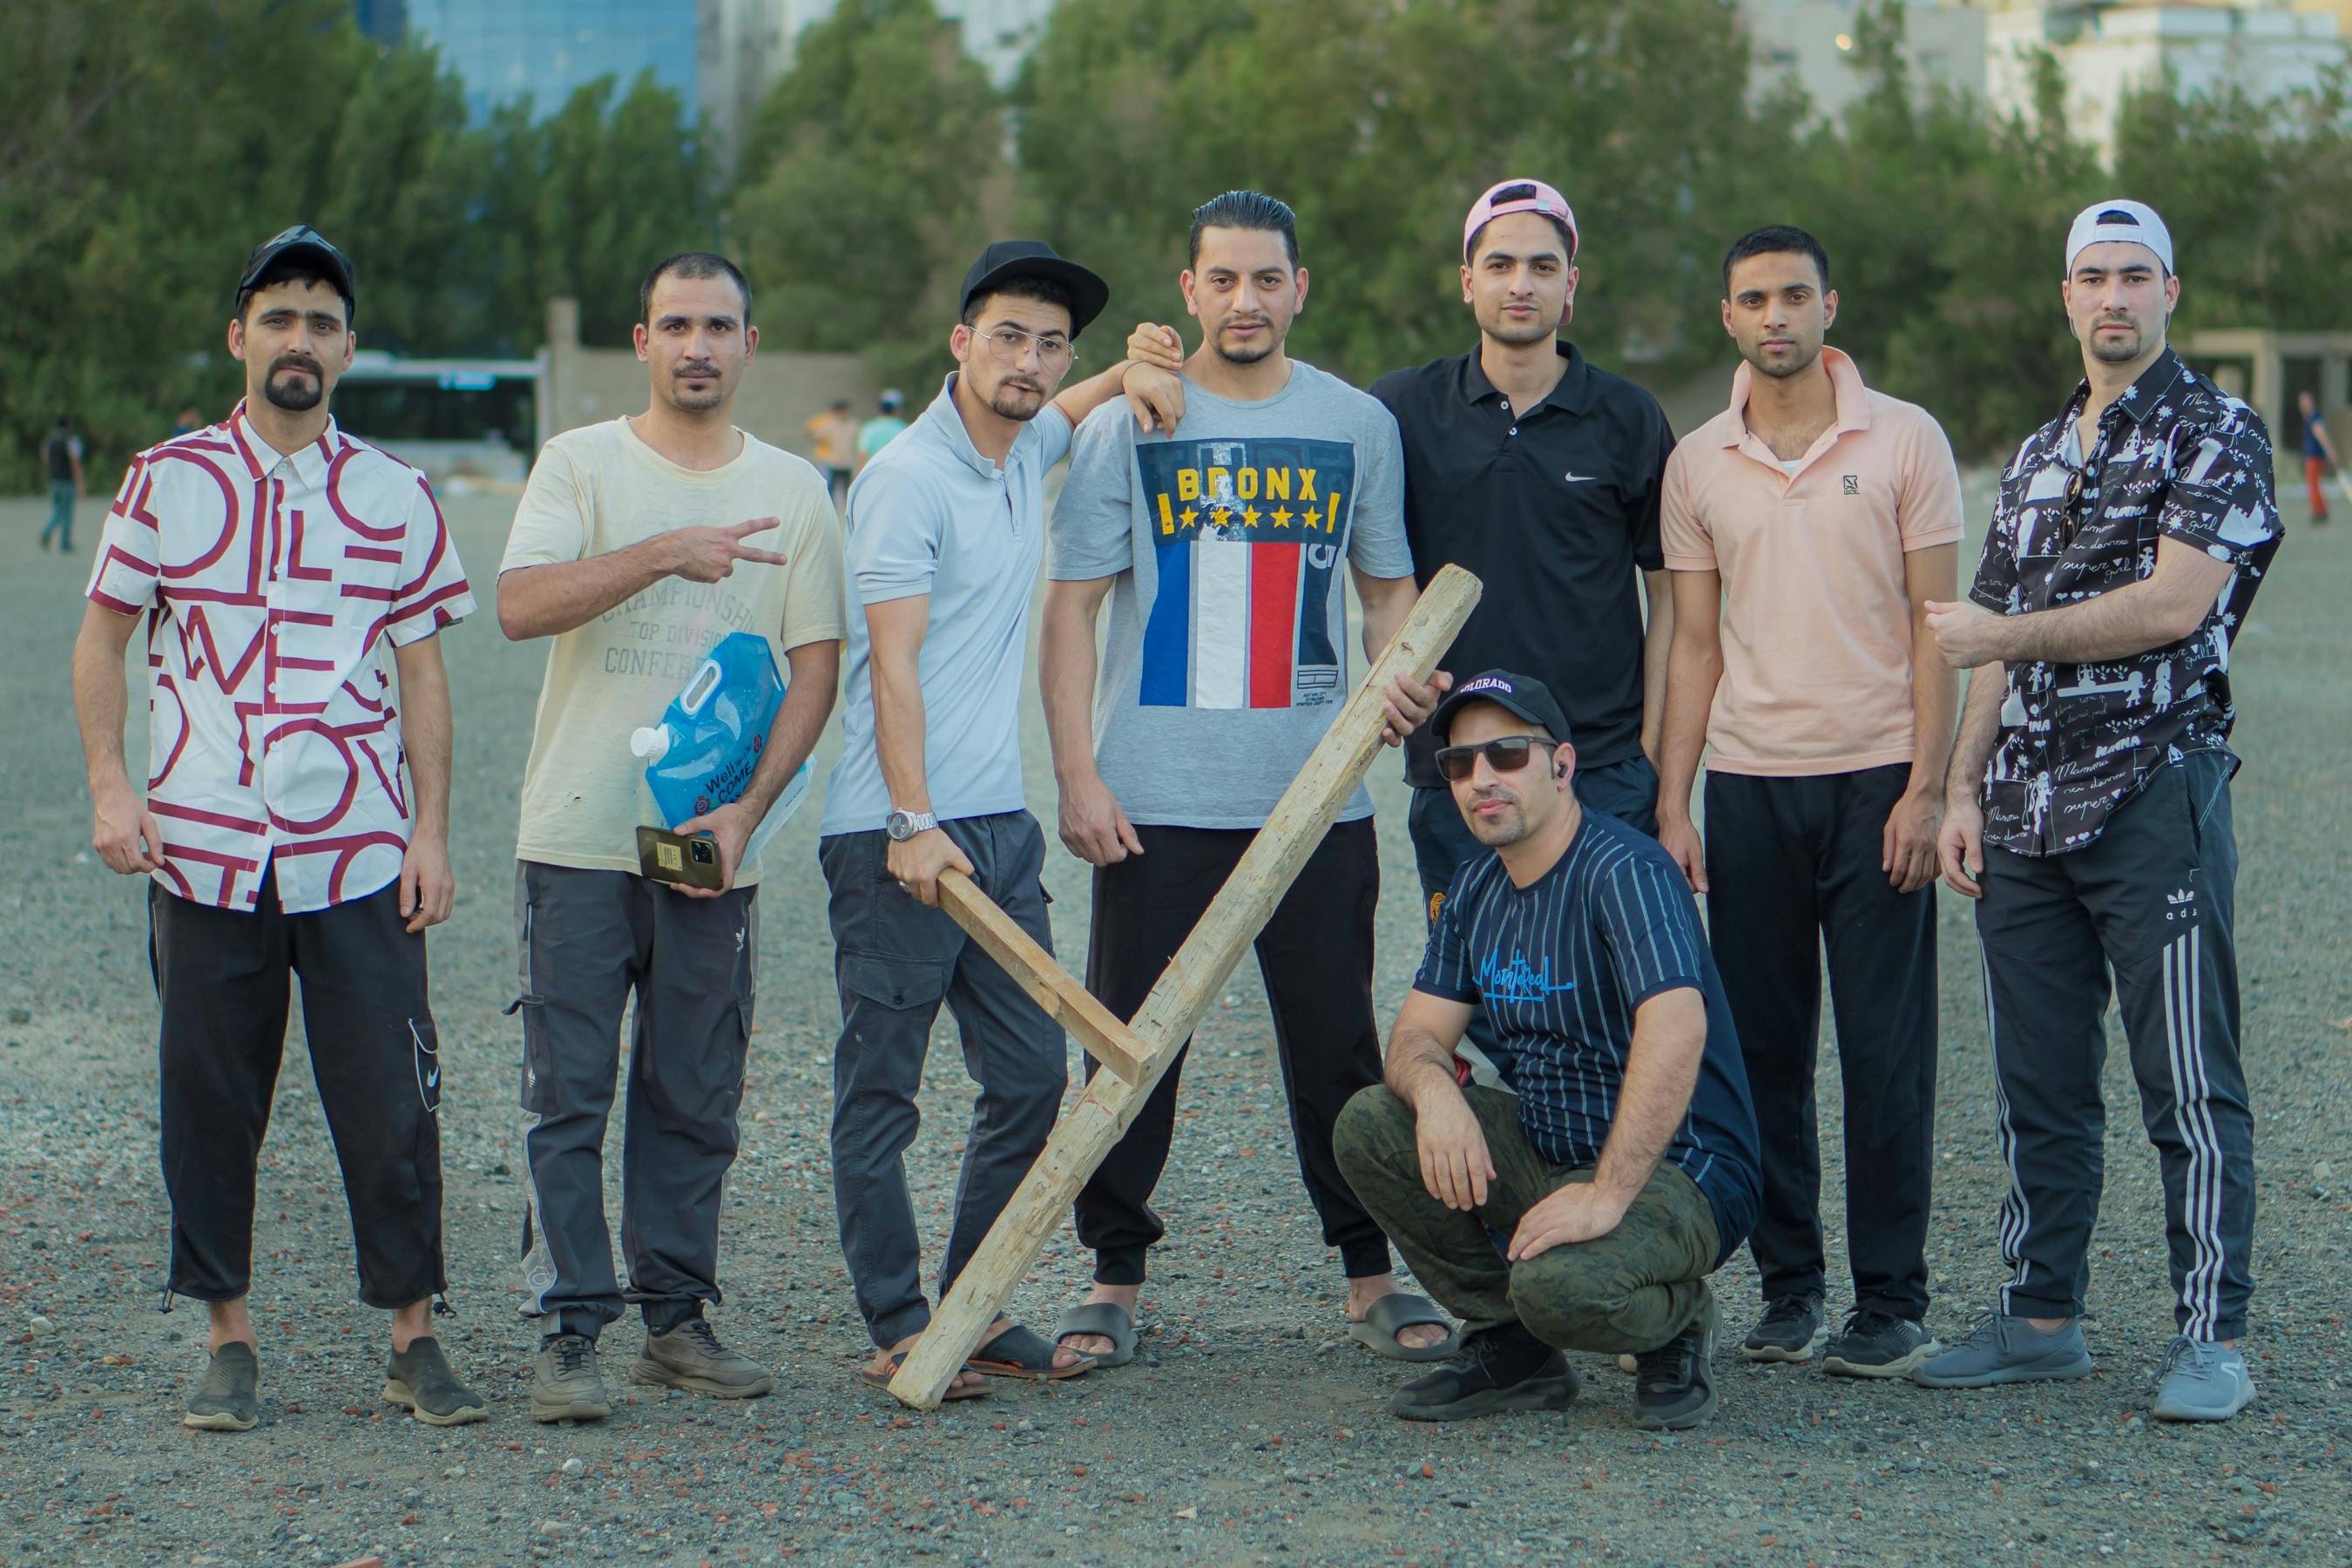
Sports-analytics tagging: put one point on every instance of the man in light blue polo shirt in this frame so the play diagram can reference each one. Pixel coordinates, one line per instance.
(946, 534)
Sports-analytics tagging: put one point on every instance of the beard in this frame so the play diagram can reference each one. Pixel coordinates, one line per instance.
(1497, 831)
(2117, 350)
(692, 402)
(1780, 369)
(292, 393)
(1017, 401)
(1249, 354)
(1503, 330)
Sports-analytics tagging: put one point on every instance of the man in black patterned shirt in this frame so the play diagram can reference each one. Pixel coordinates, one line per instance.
(2088, 814)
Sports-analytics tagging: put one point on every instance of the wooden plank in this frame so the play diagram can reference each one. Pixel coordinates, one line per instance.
(1192, 982)
(1022, 956)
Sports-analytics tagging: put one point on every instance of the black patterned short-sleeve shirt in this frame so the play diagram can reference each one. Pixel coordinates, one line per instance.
(2175, 457)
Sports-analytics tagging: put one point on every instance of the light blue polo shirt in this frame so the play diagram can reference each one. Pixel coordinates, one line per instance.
(929, 515)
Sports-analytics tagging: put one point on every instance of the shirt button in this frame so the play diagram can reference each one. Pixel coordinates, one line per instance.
(1515, 429)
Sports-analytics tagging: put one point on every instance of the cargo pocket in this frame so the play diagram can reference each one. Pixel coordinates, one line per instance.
(898, 983)
(538, 1093)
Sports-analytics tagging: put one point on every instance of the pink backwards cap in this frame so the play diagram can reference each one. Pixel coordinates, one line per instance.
(1518, 196)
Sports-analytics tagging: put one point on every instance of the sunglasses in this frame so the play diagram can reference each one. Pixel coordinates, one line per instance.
(1507, 755)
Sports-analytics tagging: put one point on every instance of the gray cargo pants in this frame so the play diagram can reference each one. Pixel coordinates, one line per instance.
(896, 962)
(584, 941)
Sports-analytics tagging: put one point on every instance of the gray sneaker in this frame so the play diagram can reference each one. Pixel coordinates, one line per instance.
(690, 1356)
(2006, 1349)
(419, 1381)
(2201, 1381)
(565, 1383)
(229, 1397)
(1878, 1344)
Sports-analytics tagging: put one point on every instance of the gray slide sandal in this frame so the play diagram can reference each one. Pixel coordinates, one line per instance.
(1378, 1331)
(1105, 1318)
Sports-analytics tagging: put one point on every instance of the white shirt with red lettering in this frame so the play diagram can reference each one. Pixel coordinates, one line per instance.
(268, 583)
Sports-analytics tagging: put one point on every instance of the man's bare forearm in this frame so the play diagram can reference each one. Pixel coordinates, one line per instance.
(1657, 646)
(1979, 731)
(1418, 1064)
(547, 600)
(101, 700)
(1077, 402)
(1066, 668)
(1387, 601)
(898, 732)
(1661, 1067)
(808, 703)
(426, 732)
(1691, 671)
(2131, 620)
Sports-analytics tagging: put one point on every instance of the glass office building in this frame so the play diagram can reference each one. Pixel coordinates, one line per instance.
(547, 48)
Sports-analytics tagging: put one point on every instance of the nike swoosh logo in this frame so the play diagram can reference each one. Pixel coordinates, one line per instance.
(433, 1078)
(1573, 477)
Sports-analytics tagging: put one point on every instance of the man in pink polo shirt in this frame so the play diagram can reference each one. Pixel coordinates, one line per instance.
(1807, 527)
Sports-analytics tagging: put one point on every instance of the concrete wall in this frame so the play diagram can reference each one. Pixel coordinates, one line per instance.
(584, 384)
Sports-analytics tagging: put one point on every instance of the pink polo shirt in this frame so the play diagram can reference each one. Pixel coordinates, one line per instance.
(1816, 620)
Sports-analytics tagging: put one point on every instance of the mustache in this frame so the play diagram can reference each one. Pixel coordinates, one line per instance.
(697, 367)
(298, 361)
(1245, 321)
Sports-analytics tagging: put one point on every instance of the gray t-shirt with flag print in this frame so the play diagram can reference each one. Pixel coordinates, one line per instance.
(1227, 653)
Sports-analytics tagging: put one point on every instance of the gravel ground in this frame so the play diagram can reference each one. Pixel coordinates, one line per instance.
(1252, 1431)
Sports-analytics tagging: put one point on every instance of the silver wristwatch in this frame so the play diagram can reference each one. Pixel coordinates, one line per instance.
(904, 825)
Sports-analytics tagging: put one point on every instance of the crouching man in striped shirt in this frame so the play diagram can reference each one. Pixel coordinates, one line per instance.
(1624, 1170)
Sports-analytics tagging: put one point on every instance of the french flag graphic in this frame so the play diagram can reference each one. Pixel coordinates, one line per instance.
(1247, 538)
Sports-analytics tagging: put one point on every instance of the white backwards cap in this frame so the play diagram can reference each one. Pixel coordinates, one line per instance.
(2133, 223)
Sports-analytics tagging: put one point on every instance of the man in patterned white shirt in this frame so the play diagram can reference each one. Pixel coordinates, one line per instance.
(270, 558)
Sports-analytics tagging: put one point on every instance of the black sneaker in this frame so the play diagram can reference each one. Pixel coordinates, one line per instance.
(1496, 1370)
(1674, 1386)
(1791, 1329)
(1878, 1344)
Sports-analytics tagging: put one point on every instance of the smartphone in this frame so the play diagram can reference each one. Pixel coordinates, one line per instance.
(688, 862)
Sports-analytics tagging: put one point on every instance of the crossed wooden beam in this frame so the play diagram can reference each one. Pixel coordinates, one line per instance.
(1135, 1054)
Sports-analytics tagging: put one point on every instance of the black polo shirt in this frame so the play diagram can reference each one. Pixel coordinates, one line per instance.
(1556, 510)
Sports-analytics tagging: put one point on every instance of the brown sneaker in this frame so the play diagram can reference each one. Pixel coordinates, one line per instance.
(690, 1356)
(565, 1383)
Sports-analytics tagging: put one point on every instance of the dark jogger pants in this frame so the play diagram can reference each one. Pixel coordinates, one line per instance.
(585, 940)
(1628, 1291)
(1793, 865)
(222, 979)
(1317, 957)
(2152, 901)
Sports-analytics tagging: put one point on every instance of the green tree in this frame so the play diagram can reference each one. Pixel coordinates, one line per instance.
(873, 173)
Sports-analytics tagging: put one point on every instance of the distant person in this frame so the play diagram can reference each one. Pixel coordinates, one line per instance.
(946, 532)
(1803, 667)
(638, 544)
(189, 421)
(294, 850)
(1623, 1172)
(62, 454)
(835, 436)
(879, 432)
(2087, 812)
(1225, 547)
(2319, 458)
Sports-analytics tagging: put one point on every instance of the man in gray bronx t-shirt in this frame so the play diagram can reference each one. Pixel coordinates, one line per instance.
(1220, 545)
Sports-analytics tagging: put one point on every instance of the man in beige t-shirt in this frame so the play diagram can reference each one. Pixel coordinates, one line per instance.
(639, 544)
(1806, 527)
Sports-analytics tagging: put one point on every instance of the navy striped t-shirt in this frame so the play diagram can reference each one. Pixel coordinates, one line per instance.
(1560, 965)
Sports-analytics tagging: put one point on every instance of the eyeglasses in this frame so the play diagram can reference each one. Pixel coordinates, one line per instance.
(1507, 755)
(1007, 344)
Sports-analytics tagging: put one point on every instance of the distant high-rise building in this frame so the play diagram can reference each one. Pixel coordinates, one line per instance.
(2110, 48)
(1812, 43)
(546, 49)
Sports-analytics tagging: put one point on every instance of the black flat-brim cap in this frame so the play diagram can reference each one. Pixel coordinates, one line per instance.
(1010, 258)
(1524, 695)
(312, 244)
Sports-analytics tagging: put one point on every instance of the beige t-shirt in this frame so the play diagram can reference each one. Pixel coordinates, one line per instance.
(1817, 618)
(601, 488)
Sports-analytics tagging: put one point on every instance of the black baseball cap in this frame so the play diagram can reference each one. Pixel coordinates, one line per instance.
(313, 246)
(1521, 694)
(1010, 258)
